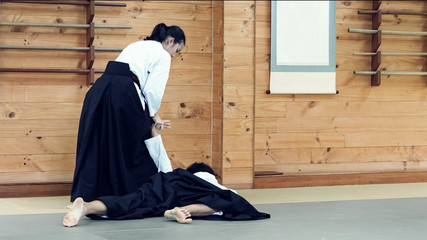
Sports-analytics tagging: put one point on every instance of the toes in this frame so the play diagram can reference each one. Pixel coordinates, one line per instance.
(69, 222)
(66, 224)
(187, 220)
(187, 214)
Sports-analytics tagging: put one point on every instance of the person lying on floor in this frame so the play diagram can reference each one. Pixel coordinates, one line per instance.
(179, 195)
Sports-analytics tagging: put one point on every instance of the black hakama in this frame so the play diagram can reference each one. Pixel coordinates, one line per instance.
(112, 158)
(178, 188)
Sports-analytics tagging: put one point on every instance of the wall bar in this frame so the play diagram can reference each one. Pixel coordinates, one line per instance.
(114, 26)
(391, 12)
(68, 3)
(62, 25)
(389, 54)
(45, 48)
(61, 48)
(109, 49)
(48, 70)
(369, 31)
(389, 73)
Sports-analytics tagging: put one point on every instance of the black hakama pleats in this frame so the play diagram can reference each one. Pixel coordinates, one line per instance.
(112, 158)
(179, 188)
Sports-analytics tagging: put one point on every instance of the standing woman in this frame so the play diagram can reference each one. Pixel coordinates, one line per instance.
(118, 113)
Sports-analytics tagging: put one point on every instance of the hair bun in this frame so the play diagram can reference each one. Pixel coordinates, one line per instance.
(161, 31)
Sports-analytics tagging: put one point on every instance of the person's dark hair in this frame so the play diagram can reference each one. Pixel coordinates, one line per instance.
(161, 32)
(200, 167)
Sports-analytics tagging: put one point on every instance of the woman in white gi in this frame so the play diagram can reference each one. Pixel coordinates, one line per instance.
(150, 61)
(118, 113)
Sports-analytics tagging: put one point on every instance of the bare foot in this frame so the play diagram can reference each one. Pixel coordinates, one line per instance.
(179, 214)
(75, 213)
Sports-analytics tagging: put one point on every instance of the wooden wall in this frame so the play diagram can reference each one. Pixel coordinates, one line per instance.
(216, 98)
(364, 134)
(39, 112)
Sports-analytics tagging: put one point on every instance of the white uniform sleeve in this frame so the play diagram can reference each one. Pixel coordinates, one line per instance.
(156, 84)
(158, 154)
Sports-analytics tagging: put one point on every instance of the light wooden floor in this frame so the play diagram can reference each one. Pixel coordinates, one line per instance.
(42, 205)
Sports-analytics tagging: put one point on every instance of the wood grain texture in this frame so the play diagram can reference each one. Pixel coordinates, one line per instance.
(35, 190)
(39, 112)
(363, 134)
(216, 97)
(379, 177)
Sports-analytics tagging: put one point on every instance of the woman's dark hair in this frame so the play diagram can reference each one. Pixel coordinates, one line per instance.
(200, 167)
(161, 32)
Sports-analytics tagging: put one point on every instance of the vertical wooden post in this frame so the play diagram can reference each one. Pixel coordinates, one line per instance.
(376, 61)
(90, 36)
(90, 57)
(376, 20)
(90, 11)
(218, 63)
(376, 42)
(376, 5)
(239, 174)
(376, 79)
(90, 78)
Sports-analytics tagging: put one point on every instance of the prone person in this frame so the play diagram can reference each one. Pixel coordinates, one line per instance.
(179, 195)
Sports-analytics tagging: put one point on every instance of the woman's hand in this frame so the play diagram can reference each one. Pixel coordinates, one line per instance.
(164, 124)
(160, 124)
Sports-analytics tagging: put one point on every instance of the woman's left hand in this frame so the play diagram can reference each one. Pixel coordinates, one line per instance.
(160, 124)
(163, 124)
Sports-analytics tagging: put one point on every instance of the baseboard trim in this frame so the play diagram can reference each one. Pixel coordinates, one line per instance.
(260, 181)
(285, 181)
(35, 189)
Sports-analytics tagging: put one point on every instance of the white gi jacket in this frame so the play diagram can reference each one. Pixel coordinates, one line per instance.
(150, 62)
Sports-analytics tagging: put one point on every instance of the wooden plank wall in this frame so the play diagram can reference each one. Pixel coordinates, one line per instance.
(39, 113)
(364, 134)
(216, 98)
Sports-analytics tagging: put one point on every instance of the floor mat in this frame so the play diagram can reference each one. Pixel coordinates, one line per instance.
(334, 220)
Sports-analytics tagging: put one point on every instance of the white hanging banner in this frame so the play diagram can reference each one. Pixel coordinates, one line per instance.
(303, 47)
